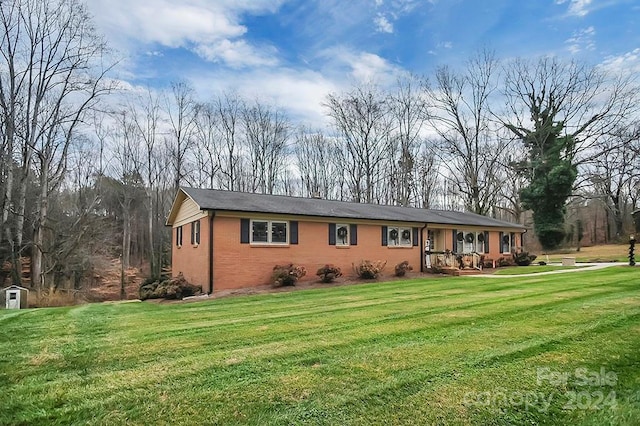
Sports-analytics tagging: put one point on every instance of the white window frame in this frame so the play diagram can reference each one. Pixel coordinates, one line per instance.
(484, 243)
(179, 234)
(347, 238)
(468, 247)
(270, 224)
(473, 246)
(195, 233)
(401, 242)
(508, 235)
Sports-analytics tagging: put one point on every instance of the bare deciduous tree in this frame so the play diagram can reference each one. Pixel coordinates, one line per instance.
(317, 157)
(610, 175)
(229, 109)
(267, 132)
(409, 111)
(55, 73)
(182, 111)
(461, 116)
(364, 124)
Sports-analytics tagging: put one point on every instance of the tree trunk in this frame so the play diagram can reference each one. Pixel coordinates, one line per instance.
(126, 236)
(37, 253)
(154, 270)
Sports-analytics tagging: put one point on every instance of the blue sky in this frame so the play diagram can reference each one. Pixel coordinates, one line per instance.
(292, 53)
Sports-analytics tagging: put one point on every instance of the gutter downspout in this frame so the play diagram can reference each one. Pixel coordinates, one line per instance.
(422, 247)
(213, 214)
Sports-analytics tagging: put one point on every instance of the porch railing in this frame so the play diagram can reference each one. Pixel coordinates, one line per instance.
(447, 259)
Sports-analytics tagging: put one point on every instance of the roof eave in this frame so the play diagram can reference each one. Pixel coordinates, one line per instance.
(181, 195)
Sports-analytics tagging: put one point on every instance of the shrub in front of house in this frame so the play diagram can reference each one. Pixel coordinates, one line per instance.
(172, 288)
(328, 273)
(486, 262)
(287, 275)
(505, 261)
(437, 269)
(402, 268)
(524, 258)
(369, 270)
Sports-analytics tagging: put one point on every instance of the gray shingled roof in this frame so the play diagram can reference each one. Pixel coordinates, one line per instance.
(211, 199)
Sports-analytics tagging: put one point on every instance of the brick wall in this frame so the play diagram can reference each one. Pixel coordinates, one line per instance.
(239, 265)
(192, 260)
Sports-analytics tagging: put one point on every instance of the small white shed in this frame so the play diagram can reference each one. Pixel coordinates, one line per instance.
(16, 297)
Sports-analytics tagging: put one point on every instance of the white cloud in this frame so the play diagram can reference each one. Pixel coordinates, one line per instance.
(237, 54)
(627, 63)
(361, 67)
(382, 24)
(299, 92)
(210, 28)
(577, 7)
(581, 40)
(369, 67)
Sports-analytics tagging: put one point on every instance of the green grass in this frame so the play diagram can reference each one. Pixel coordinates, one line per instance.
(438, 351)
(532, 269)
(600, 253)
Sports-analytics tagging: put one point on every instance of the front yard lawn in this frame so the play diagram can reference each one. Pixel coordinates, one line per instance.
(553, 349)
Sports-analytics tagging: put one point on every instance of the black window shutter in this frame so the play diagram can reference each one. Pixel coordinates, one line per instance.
(353, 234)
(513, 240)
(455, 240)
(501, 242)
(415, 236)
(486, 241)
(332, 234)
(384, 236)
(193, 232)
(293, 232)
(244, 231)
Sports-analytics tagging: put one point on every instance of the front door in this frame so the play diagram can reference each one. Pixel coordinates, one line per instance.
(437, 243)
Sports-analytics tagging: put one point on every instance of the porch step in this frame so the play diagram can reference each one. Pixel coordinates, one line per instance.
(458, 272)
(469, 272)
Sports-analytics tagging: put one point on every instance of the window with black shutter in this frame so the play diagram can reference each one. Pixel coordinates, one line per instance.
(195, 232)
(179, 236)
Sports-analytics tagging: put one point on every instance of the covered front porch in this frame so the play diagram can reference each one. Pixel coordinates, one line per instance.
(451, 263)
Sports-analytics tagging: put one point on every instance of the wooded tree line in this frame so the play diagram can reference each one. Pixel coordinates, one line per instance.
(89, 169)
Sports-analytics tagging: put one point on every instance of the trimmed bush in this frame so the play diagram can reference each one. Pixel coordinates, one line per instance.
(505, 261)
(524, 258)
(402, 268)
(328, 273)
(368, 270)
(436, 269)
(287, 275)
(487, 263)
(172, 288)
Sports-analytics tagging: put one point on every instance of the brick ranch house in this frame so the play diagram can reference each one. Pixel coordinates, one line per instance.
(227, 240)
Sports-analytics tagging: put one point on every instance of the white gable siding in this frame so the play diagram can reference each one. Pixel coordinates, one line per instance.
(188, 212)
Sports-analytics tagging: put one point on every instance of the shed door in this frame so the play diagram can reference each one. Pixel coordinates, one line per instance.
(13, 300)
